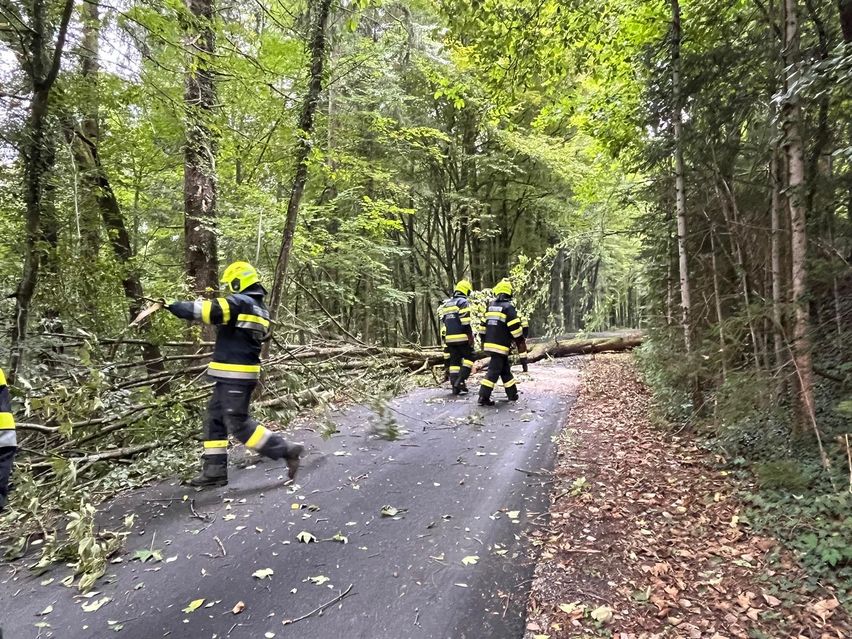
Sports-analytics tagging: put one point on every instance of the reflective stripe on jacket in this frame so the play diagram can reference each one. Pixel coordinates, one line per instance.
(455, 316)
(502, 326)
(242, 322)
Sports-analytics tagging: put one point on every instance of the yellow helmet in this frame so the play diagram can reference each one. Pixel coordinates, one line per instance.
(464, 286)
(239, 276)
(504, 287)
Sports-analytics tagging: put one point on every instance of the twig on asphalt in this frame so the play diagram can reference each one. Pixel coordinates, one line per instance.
(205, 517)
(416, 616)
(221, 546)
(339, 597)
(506, 607)
(546, 473)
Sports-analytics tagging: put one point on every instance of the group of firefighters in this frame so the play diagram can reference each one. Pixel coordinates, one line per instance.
(500, 327)
(242, 323)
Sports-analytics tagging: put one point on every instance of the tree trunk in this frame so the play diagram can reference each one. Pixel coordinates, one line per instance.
(791, 119)
(680, 197)
(199, 177)
(845, 8)
(720, 318)
(777, 281)
(303, 149)
(38, 153)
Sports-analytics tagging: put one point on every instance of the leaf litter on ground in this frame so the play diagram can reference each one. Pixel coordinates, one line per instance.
(647, 536)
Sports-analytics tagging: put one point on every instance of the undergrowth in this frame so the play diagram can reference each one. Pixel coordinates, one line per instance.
(789, 494)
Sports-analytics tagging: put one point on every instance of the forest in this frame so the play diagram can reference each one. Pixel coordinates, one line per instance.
(680, 167)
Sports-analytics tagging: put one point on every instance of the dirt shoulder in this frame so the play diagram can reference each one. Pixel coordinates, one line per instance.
(646, 540)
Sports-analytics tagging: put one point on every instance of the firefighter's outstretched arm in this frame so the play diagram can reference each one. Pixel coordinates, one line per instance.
(218, 311)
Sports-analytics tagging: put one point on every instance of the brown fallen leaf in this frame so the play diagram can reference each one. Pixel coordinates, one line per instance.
(239, 607)
(825, 608)
(772, 601)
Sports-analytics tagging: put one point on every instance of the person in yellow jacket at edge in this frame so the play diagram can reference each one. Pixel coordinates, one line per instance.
(8, 440)
(502, 326)
(242, 322)
(458, 335)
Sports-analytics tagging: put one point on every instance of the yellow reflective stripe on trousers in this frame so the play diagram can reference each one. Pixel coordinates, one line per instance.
(511, 382)
(7, 421)
(467, 363)
(455, 369)
(522, 355)
(226, 309)
(216, 447)
(487, 383)
(496, 348)
(258, 437)
(456, 339)
(233, 371)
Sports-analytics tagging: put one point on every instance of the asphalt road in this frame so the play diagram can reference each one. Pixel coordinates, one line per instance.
(451, 475)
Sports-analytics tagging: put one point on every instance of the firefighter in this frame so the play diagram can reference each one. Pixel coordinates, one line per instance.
(8, 440)
(455, 317)
(502, 327)
(242, 322)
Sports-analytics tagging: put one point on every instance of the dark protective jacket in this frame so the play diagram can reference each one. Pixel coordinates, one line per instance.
(8, 437)
(242, 322)
(455, 315)
(502, 326)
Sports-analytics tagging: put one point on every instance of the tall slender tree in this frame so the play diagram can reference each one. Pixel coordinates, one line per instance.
(199, 181)
(30, 33)
(791, 121)
(680, 190)
(303, 149)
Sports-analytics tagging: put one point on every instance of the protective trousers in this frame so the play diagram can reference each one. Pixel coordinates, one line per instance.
(228, 412)
(461, 361)
(498, 368)
(7, 456)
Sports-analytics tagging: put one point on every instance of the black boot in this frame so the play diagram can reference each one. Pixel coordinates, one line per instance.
(213, 473)
(462, 388)
(454, 379)
(512, 393)
(292, 459)
(485, 398)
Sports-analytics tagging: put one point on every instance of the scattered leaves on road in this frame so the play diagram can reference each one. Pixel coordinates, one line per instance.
(306, 538)
(145, 555)
(238, 607)
(96, 604)
(263, 573)
(194, 605)
(470, 560)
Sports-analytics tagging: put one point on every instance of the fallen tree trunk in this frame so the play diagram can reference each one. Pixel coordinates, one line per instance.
(556, 348)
